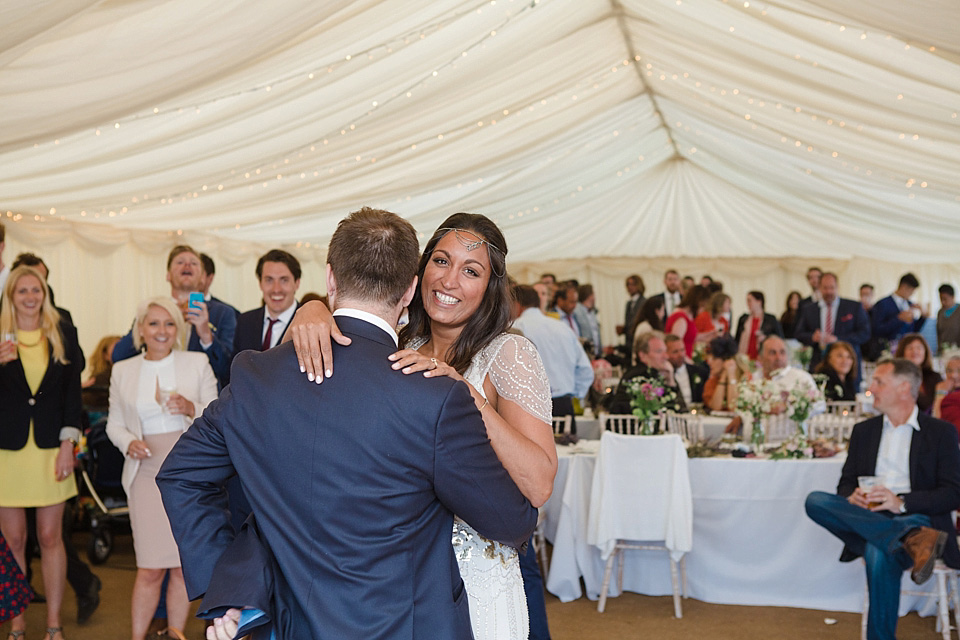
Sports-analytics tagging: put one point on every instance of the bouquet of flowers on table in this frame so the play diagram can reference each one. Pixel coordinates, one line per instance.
(757, 398)
(699, 352)
(650, 397)
(800, 401)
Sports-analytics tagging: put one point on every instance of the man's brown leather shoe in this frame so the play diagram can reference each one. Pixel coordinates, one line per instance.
(925, 546)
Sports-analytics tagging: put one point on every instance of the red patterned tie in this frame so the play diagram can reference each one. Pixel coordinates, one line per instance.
(828, 328)
(268, 336)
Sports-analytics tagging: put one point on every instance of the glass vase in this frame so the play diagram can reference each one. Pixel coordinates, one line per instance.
(757, 437)
(648, 425)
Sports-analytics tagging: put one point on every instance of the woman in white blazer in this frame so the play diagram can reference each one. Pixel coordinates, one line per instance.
(154, 397)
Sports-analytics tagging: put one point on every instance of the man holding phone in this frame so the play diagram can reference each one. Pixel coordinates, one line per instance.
(212, 323)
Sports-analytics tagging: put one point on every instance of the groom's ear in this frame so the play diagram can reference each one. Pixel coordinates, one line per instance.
(409, 293)
(331, 286)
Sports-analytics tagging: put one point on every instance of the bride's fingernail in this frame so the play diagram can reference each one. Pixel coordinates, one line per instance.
(310, 377)
(303, 369)
(329, 372)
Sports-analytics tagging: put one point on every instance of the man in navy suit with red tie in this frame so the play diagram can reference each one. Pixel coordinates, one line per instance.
(278, 274)
(353, 483)
(832, 318)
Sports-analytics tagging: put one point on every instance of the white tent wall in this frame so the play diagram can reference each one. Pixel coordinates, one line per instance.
(102, 286)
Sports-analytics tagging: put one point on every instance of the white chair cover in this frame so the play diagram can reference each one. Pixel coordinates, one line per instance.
(641, 491)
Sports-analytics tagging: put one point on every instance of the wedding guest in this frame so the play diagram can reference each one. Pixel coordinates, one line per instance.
(905, 522)
(690, 376)
(948, 320)
(872, 348)
(720, 390)
(686, 283)
(838, 365)
(895, 315)
(833, 318)
(681, 322)
(15, 591)
(35, 261)
(40, 395)
(866, 297)
(713, 317)
(671, 294)
(774, 367)
(635, 300)
(543, 291)
(212, 323)
(789, 317)
(946, 405)
(914, 348)
(585, 314)
(813, 279)
(755, 325)
(96, 388)
(154, 398)
(706, 280)
(649, 318)
(564, 302)
(548, 279)
(209, 273)
(653, 364)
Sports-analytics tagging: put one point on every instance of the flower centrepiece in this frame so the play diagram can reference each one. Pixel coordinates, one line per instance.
(650, 397)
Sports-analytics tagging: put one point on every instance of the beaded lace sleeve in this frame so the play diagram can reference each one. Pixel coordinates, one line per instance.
(518, 375)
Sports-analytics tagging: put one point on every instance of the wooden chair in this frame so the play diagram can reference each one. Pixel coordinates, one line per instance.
(561, 424)
(844, 408)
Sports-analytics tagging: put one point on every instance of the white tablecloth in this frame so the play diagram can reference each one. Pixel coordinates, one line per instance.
(752, 541)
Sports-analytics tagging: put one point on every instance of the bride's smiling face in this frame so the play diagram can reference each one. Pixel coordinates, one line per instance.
(455, 279)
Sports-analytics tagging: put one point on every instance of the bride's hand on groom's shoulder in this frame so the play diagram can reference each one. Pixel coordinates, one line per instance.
(225, 627)
(311, 330)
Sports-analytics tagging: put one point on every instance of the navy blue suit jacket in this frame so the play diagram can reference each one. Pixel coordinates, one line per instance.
(886, 325)
(223, 317)
(851, 324)
(934, 474)
(249, 334)
(353, 484)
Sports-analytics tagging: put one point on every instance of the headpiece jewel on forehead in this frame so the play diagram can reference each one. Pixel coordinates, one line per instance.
(466, 242)
(472, 244)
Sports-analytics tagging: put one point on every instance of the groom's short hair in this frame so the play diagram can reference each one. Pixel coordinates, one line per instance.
(374, 256)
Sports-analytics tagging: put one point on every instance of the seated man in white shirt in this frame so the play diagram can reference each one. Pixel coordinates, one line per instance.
(904, 522)
(774, 366)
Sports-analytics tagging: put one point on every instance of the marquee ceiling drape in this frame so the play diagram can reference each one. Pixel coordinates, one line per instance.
(743, 138)
(700, 128)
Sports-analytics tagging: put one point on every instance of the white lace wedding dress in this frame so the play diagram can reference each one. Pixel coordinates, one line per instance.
(490, 570)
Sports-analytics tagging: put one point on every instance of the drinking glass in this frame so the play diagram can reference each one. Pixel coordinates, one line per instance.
(165, 394)
(867, 483)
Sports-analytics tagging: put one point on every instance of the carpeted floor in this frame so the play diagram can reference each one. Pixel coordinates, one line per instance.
(630, 616)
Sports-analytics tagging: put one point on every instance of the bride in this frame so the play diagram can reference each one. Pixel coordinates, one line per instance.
(457, 328)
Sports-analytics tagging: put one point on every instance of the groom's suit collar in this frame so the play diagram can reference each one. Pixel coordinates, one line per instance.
(367, 325)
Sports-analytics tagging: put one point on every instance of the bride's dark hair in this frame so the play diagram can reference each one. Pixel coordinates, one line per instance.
(491, 318)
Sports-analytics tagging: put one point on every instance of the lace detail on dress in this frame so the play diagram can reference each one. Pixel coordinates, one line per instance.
(515, 369)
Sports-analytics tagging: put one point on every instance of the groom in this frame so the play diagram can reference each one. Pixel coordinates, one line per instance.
(353, 483)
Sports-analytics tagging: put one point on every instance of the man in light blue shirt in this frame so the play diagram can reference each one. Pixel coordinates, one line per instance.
(568, 368)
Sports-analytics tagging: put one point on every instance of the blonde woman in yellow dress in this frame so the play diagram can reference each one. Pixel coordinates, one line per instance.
(40, 395)
(154, 398)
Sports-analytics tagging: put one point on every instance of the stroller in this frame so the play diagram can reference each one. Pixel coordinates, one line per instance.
(101, 465)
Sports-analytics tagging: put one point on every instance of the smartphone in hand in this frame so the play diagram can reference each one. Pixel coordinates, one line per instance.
(193, 302)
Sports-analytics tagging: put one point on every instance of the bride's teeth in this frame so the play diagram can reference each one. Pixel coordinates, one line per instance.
(445, 299)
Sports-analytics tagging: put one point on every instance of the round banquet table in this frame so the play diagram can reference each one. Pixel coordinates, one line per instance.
(752, 541)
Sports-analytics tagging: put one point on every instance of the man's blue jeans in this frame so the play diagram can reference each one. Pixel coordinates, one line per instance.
(877, 536)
